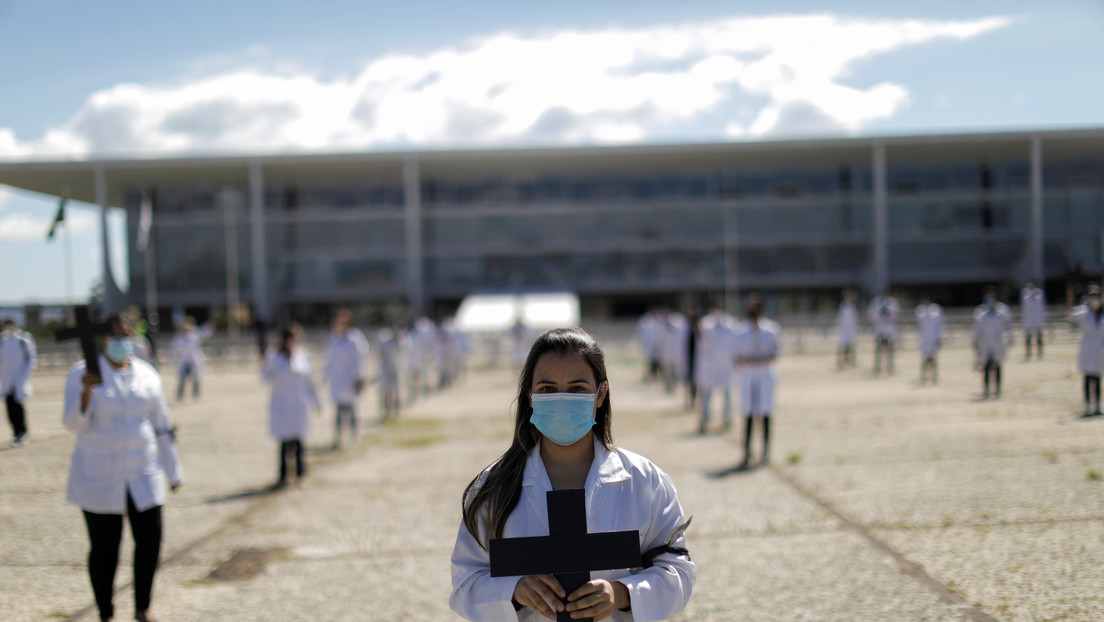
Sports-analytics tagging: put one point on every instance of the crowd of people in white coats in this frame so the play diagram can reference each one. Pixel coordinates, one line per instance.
(716, 352)
(427, 356)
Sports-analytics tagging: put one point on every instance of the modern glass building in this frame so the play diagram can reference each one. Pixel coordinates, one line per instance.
(622, 226)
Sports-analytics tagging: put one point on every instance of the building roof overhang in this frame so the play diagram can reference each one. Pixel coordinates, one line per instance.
(75, 177)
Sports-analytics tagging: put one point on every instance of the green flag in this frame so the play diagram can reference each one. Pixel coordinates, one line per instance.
(57, 219)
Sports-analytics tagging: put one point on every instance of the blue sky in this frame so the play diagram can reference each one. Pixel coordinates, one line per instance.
(85, 79)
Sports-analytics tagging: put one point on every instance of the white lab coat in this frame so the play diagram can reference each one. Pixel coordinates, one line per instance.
(624, 491)
(187, 348)
(674, 340)
(390, 351)
(18, 358)
(929, 325)
(847, 324)
(1033, 308)
(1090, 356)
(992, 331)
(757, 379)
(648, 330)
(293, 394)
(883, 314)
(123, 441)
(345, 365)
(716, 352)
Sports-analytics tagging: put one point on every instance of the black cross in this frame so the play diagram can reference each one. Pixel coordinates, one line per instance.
(568, 551)
(86, 331)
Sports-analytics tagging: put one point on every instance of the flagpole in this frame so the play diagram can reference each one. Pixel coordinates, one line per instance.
(68, 267)
(230, 228)
(148, 246)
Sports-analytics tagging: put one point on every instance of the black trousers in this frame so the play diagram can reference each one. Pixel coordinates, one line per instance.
(287, 450)
(1038, 334)
(992, 368)
(1092, 389)
(16, 415)
(105, 531)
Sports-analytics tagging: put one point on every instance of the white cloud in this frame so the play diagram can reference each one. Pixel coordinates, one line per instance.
(600, 86)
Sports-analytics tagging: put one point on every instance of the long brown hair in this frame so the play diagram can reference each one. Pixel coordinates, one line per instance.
(499, 493)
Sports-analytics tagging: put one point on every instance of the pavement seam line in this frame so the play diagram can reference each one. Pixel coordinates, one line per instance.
(944, 592)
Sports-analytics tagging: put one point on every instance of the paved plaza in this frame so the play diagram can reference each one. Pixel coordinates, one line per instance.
(885, 500)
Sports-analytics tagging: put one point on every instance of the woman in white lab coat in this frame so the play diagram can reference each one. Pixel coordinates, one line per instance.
(847, 326)
(122, 460)
(992, 331)
(1090, 356)
(187, 349)
(929, 329)
(563, 440)
(715, 365)
(345, 371)
(288, 370)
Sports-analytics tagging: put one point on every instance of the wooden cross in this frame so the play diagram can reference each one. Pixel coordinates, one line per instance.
(568, 551)
(86, 331)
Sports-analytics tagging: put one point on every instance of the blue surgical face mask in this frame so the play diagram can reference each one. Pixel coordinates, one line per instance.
(563, 418)
(119, 349)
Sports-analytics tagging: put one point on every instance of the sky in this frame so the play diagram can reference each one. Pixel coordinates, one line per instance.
(131, 79)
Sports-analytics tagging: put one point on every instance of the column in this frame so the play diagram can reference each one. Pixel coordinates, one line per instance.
(881, 221)
(258, 255)
(412, 208)
(112, 297)
(228, 196)
(1035, 234)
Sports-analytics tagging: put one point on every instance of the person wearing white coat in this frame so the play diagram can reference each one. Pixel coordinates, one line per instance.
(1033, 313)
(715, 365)
(18, 358)
(756, 351)
(992, 331)
(288, 370)
(187, 349)
(563, 388)
(123, 457)
(847, 326)
(883, 314)
(345, 371)
(1090, 355)
(929, 328)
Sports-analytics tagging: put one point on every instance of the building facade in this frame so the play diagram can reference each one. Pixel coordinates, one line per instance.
(621, 226)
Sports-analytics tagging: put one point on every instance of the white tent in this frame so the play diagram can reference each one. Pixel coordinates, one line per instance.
(499, 312)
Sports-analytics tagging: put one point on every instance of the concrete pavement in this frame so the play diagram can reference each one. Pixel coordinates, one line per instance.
(886, 500)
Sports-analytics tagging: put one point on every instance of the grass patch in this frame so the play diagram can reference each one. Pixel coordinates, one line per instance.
(1093, 475)
(413, 433)
(61, 615)
(794, 458)
(1050, 456)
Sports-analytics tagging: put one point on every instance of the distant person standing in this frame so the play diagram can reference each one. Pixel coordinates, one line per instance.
(288, 370)
(18, 358)
(1090, 356)
(187, 349)
(847, 326)
(345, 371)
(715, 365)
(992, 331)
(1033, 311)
(756, 351)
(389, 352)
(647, 331)
(883, 313)
(929, 325)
